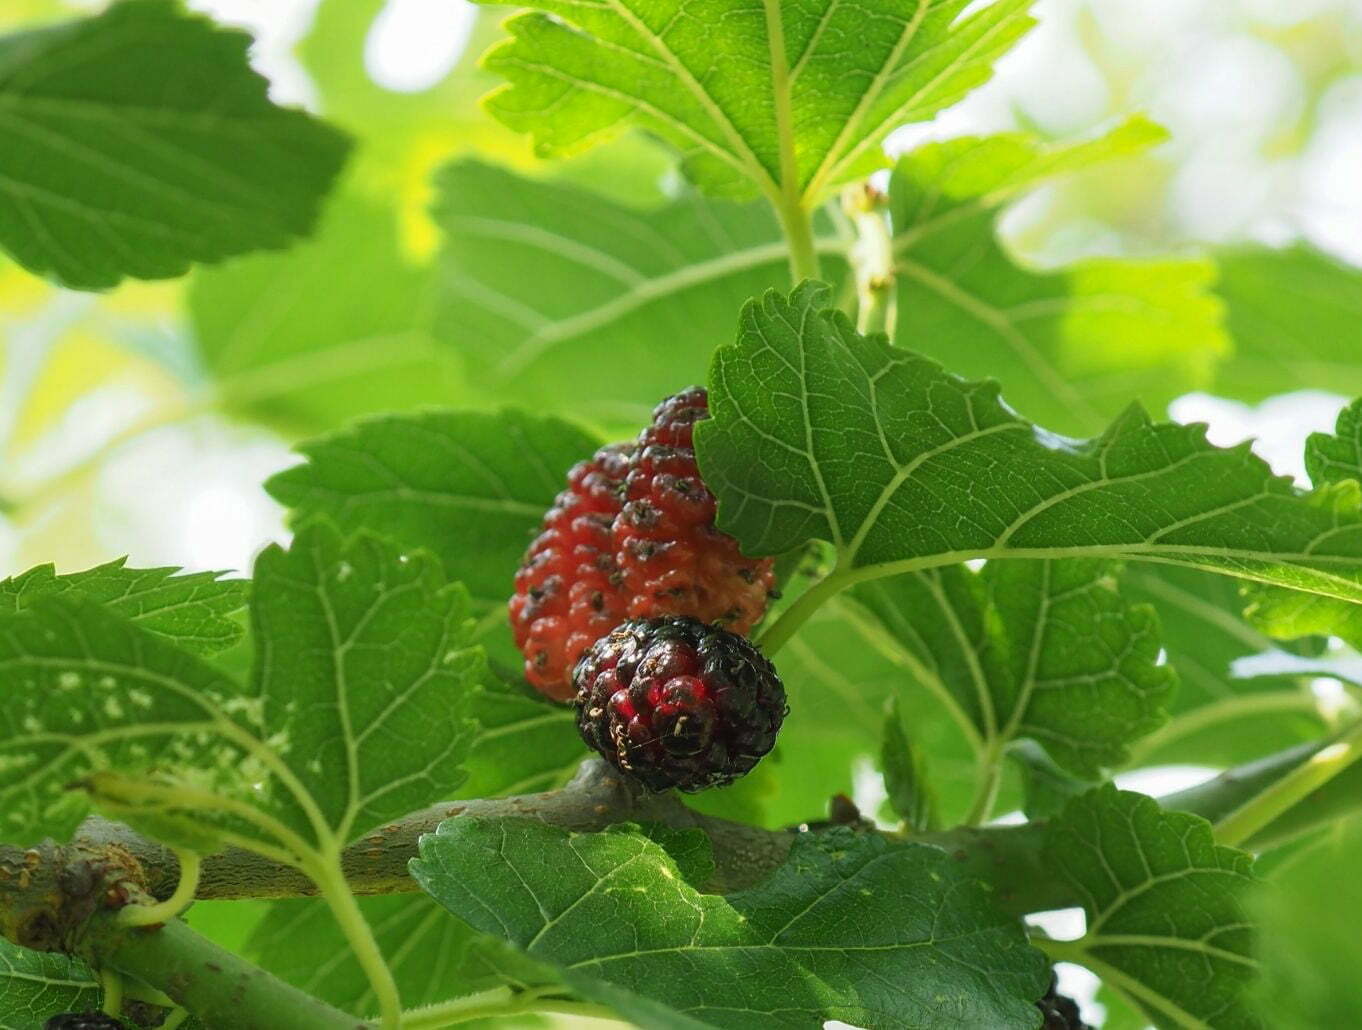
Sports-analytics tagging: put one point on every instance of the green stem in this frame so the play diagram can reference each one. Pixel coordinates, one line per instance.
(1260, 811)
(990, 779)
(181, 899)
(500, 1001)
(360, 936)
(222, 989)
(1237, 707)
(785, 627)
(112, 982)
(1058, 951)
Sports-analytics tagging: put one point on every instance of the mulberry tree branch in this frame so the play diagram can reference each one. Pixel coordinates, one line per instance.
(68, 899)
(1008, 857)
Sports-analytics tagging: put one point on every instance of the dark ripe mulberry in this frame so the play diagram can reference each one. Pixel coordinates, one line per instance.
(673, 559)
(1058, 1011)
(675, 702)
(568, 591)
(82, 1021)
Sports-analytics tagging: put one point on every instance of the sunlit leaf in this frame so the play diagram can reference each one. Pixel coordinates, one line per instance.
(36, 984)
(357, 713)
(521, 745)
(543, 285)
(87, 691)
(336, 327)
(1310, 911)
(1045, 650)
(1228, 707)
(364, 665)
(195, 610)
(1295, 316)
(906, 777)
(1335, 467)
(820, 433)
(1072, 346)
(791, 98)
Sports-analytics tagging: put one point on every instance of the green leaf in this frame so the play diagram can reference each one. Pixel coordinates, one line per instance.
(840, 670)
(1084, 665)
(1025, 649)
(1333, 459)
(905, 775)
(195, 610)
(140, 140)
(86, 691)
(1073, 346)
(1335, 467)
(365, 670)
(783, 98)
(35, 985)
(336, 327)
(820, 433)
(850, 928)
(468, 487)
(543, 284)
(1203, 627)
(1310, 913)
(433, 957)
(357, 713)
(1223, 713)
(406, 133)
(523, 745)
(1166, 924)
(1046, 788)
(1296, 319)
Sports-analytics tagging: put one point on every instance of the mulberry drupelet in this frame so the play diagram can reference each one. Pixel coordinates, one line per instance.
(632, 536)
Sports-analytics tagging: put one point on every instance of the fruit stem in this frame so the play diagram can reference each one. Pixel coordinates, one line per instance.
(1275, 800)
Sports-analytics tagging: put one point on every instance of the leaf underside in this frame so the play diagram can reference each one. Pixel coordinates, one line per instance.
(139, 141)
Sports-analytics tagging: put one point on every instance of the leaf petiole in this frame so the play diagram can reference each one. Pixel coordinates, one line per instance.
(182, 898)
(797, 225)
(779, 633)
(501, 1001)
(359, 935)
(112, 982)
(990, 780)
(1261, 811)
